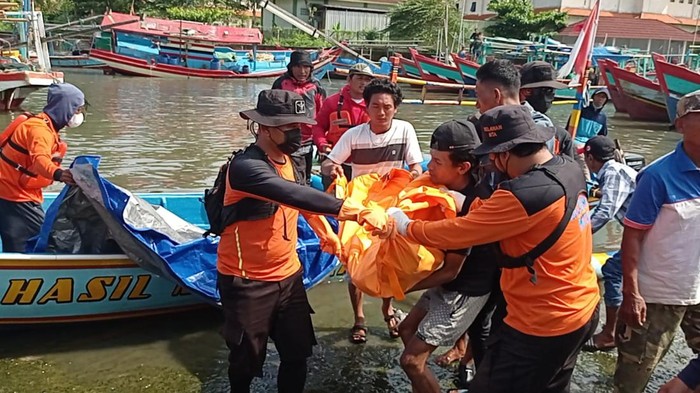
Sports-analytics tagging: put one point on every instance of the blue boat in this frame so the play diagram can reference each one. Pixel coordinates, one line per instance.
(154, 260)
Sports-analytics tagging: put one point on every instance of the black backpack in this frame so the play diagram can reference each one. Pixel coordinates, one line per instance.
(214, 200)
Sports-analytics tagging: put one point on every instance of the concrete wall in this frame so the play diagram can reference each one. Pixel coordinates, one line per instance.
(680, 8)
(299, 8)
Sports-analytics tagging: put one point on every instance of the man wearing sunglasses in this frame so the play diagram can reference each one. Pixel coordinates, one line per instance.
(457, 292)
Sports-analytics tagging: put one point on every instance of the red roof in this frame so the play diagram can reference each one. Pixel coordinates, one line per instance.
(621, 27)
(635, 28)
(191, 30)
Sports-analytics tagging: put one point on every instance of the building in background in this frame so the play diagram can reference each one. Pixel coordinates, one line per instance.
(634, 24)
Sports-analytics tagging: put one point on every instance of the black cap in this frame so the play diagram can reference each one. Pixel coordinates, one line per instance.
(507, 126)
(601, 148)
(278, 107)
(300, 57)
(539, 74)
(455, 135)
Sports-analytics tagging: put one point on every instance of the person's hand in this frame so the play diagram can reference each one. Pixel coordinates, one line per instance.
(633, 310)
(326, 149)
(331, 245)
(400, 219)
(459, 199)
(675, 386)
(337, 171)
(67, 177)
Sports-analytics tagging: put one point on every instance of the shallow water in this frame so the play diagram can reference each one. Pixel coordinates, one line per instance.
(165, 135)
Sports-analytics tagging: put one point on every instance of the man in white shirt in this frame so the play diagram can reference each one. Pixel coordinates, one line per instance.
(378, 146)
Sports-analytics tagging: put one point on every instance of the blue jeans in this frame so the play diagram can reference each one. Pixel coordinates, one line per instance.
(612, 277)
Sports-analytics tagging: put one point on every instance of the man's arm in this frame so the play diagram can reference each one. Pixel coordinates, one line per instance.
(500, 217)
(615, 191)
(39, 144)
(448, 272)
(257, 180)
(633, 308)
(321, 128)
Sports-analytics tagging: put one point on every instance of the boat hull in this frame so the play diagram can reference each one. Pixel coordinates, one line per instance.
(126, 65)
(643, 98)
(15, 86)
(434, 71)
(606, 75)
(675, 82)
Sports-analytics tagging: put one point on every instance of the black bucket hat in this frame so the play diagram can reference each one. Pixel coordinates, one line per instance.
(277, 108)
(300, 57)
(507, 126)
(455, 135)
(539, 74)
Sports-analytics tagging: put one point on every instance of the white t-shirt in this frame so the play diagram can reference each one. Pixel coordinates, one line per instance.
(377, 153)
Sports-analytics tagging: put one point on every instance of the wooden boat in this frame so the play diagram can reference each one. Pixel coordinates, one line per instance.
(604, 65)
(468, 68)
(642, 98)
(675, 82)
(435, 71)
(408, 68)
(16, 85)
(75, 61)
(182, 49)
(127, 65)
(50, 288)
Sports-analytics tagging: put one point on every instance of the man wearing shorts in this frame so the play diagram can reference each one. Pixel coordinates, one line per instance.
(458, 291)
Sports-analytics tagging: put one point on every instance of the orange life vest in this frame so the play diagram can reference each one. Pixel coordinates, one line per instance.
(341, 121)
(28, 178)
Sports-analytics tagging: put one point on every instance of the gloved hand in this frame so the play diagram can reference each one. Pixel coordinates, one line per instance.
(400, 219)
(331, 244)
(459, 199)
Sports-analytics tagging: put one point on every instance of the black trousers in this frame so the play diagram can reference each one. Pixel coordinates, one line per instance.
(19, 221)
(518, 362)
(257, 310)
(486, 323)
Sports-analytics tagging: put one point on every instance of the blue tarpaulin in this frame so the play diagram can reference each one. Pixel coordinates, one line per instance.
(159, 240)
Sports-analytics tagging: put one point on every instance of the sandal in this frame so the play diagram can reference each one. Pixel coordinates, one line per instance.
(393, 321)
(358, 334)
(448, 358)
(591, 346)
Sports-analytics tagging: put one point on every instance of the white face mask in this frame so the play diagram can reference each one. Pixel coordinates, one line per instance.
(76, 120)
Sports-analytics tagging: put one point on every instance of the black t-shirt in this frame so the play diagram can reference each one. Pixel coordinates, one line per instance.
(479, 271)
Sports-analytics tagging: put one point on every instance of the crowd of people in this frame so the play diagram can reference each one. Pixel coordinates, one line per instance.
(516, 296)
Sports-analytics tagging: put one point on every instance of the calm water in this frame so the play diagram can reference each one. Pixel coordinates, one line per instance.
(165, 135)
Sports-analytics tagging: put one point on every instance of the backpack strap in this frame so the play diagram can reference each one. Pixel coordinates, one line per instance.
(528, 259)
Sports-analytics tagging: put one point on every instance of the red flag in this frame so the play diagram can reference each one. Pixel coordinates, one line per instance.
(583, 48)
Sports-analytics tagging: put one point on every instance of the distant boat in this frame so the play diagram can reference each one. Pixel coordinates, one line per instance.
(435, 71)
(181, 49)
(604, 66)
(675, 81)
(642, 98)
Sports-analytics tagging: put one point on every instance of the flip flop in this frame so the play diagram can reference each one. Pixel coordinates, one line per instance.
(358, 334)
(590, 346)
(396, 317)
(448, 358)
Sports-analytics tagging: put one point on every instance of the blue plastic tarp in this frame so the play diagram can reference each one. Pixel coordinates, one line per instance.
(155, 239)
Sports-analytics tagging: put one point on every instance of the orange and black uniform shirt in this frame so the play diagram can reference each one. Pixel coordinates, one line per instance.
(264, 247)
(41, 140)
(519, 216)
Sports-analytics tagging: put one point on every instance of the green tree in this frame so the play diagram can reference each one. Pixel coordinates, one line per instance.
(421, 20)
(517, 19)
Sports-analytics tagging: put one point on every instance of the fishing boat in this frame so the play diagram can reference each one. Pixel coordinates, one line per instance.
(408, 68)
(435, 71)
(642, 97)
(675, 82)
(164, 48)
(604, 66)
(467, 67)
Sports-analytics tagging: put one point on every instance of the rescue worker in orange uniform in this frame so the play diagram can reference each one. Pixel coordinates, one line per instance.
(31, 152)
(259, 272)
(540, 218)
(340, 112)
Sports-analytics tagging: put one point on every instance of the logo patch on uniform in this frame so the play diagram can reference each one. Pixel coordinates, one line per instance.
(299, 107)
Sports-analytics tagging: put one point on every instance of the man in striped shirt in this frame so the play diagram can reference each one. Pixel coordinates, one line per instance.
(616, 185)
(377, 146)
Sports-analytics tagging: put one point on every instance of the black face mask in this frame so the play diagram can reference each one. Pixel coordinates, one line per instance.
(292, 141)
(541, 99)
